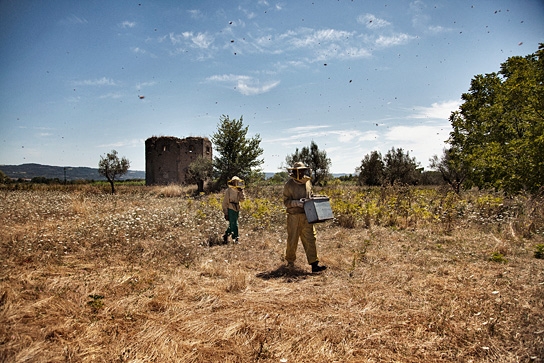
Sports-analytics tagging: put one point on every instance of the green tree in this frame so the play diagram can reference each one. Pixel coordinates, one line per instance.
(315, 159)
(349, 178)
(454, 172)
(498, 131)
(112, 167)
(238, 155)
(371, 171)
(279, 178)
(199, 171)
(431, 177)
(399, 167)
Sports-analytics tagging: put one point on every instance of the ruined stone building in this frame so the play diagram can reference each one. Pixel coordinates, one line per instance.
(167, 158)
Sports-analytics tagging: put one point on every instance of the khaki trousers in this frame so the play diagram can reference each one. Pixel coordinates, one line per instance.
(298, 226)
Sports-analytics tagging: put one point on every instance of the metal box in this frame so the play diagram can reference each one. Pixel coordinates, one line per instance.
(318, 209)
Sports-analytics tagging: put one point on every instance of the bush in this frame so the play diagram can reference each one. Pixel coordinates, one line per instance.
(539, 251)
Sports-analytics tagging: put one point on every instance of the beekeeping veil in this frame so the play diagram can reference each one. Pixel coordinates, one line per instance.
(236, 182)
(300, 172)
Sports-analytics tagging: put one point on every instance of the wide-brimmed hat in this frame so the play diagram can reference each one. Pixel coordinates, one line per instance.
(236, 182)
(298, 165)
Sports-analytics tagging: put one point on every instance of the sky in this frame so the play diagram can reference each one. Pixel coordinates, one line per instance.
(81, 78)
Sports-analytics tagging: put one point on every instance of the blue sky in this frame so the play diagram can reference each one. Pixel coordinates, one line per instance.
(80, 78)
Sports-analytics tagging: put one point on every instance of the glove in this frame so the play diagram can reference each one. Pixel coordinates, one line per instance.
(299, 203)
(226, 217)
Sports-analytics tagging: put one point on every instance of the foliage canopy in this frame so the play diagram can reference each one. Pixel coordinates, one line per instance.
(112, 167)
(313, 158)
(498, 131)
(396, 167)
(238, 154)
(452, 171)
(199, 171)
(371, 169)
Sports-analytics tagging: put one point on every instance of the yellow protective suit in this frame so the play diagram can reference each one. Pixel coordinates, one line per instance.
(232, 199)
(297, 224)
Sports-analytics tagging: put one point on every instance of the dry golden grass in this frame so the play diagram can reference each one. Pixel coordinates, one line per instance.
(140, 277)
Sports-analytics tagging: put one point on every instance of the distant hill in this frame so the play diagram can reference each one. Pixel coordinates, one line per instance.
(29, 171)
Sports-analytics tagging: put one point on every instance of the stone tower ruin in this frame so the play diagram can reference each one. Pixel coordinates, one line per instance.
(167, 158)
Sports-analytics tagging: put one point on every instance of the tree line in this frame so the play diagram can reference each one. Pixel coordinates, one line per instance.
(497, 142)
(238, 155)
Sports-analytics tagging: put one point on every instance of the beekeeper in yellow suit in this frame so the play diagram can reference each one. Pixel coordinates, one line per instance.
(231, 207)
(298, 188)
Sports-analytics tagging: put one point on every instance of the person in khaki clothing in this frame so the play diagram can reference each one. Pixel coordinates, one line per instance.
(231, 207)
(298, 188)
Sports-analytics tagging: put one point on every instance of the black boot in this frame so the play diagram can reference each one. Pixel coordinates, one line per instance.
(317, 268)
(225, 238)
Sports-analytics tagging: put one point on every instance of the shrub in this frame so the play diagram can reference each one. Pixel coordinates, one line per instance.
(539, 251)
(498, 257)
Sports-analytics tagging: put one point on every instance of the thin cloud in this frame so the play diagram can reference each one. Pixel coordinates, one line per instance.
(316, 44)
(138, 50)
(174, 38)
(245, 85)
(299, 134)
(195, 14)
(112, 95)
(227, 78)
(343, 136)
(122, 143)
(127, 24)
(145, 84)
(249, 14)
(354, 53)
(437, 29)
(436, 110)
(420, 141)
(393, 40)
(199, 40)
(304, 129)
(96, 82)
(420, 20)
(414, 134)
(368, 136)
(248, 89)
(322, 44)
(372, 22)
(202, 40)
(346, 135)
(310, 38)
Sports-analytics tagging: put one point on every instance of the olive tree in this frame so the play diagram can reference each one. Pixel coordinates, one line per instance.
(199, 171)
(112, 167)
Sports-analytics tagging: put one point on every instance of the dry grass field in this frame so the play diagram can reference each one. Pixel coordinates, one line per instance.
(415, 275)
